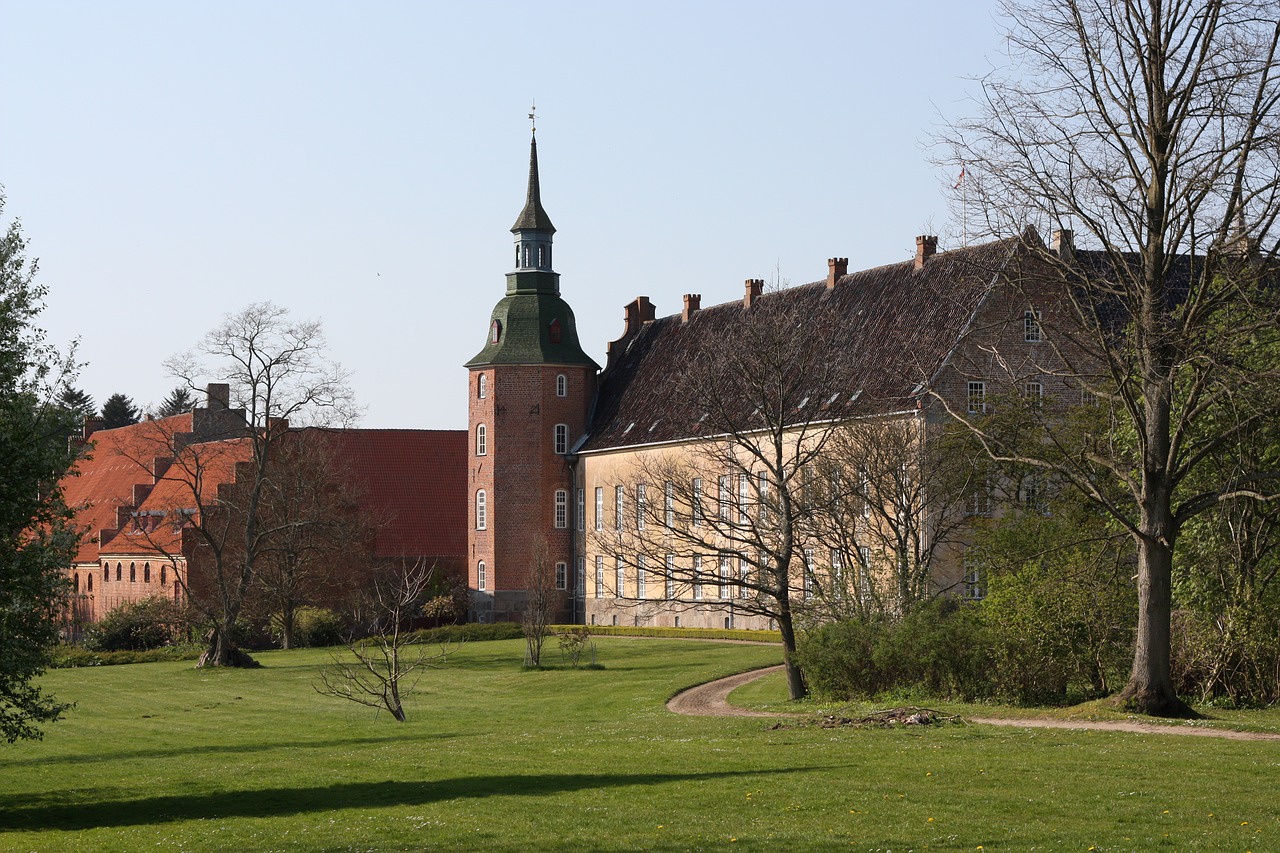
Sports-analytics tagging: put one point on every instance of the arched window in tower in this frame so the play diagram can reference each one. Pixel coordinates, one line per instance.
(553, 331)
(541, 256)
(526, 256)
(495, 332)
(482, 385)
(482, 576)
(562, 385)
(562, 508)
(482, 440)
(562, 439)
(482, 510)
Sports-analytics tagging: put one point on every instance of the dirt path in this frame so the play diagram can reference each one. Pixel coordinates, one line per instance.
(712, 700)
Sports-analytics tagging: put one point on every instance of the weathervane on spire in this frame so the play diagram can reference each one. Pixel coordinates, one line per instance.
(533, 116)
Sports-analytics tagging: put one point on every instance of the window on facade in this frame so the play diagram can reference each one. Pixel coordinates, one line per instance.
(806, 486)
(482, 576)
(164, 575)
(744, 576)
(808, 573)
(762, 493)
(599, 508)
(482, 510)
(1031, 331)
(1034, 392)
(582, 510)
(77, 578)
(580, 588)
(495, 331)
(119, 573)
(106, 572)
(482, 440)
(619, 504)
(668, 503)
(599, 577)
(562, 439)
(553, 333)
(540, 255)
(88, 579)
(864, 491)
(744, 484)
(562, 508)
(1031, 493)
(696, 509)
(562, 385)
(837, 572)
(641, 505)
(977, 397)
(619, 577)
(671, 576)
(482, 386)
(722, 497)
(133, 573)
(864, 573)
(726, 576)
(980, 500)
(697, 577)
(562, 575)
(973, 587)
(641, 577)
(146, 573)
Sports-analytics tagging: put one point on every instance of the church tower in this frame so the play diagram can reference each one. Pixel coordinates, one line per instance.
(530, 392)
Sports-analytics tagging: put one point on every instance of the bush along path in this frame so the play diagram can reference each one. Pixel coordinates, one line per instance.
(712, 700)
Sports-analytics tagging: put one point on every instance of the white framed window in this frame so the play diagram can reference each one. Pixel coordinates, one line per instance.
(562, 508)
(864, 573)
(599, 577)
(641, 502)
(580, 581)
(562, 439)
(599, 508)
(808, 573)
(619, 505)
(744, 576)
(1034, 392)
(562, 575)
(1031, 331)
(977, 397)
(482, 385)
(726, 577)
(562, 385)
(482, 440)
(641, 577)
(482, 576)
(671, 576)
(722, 497)
(973, 586)
(482, 510)
(697, 577)
(980, 500)
(582, 510)
(744, 485)
(1031, 492)
(864, 490)
(837, 571)
(669, 503)
(762, 495)
(696, 509)
(619, 577)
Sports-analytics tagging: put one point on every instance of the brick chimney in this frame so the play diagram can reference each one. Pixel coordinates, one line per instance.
(754, 287)
(836, 267)
(219, 394)
(692, 304)
(926, 246)
(1063, 244)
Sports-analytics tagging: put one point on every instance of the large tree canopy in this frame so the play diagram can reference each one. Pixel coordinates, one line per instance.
(1150, 128)
(36, 540)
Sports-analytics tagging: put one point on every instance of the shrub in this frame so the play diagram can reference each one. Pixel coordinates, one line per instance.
(147, 624)
(67, 657)
(312, 627)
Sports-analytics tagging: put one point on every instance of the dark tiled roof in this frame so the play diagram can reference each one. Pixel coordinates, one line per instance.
(533, 217)
(525, 322)
(880, 334)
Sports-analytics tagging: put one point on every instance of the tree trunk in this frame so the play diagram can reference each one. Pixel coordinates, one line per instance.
(286, 628)
(796, 685)
(1150, 688)
(222, 650)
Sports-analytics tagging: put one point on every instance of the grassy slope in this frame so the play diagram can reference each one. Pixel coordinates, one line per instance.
(160, 756)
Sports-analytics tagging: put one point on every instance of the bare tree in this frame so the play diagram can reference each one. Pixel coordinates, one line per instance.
(389, 663)
(726, 518)
(1151, 129)
(544, 601)
(278, 373)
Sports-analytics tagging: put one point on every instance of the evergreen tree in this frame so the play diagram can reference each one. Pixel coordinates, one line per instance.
(36, 538)
(179, 402)
(77, 403)
(119, 411)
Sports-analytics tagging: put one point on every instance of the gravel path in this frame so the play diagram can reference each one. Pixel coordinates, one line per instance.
(712, 700)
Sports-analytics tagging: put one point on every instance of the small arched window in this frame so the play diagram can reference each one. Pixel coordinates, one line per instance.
(482, 440)
(482, 386)
(77, 581)
(562, 439)
(482, 576)
(133, 573)
(89, 581)
(541, 262)
(164, 575)
(106, 572)
(482, 510)
(146, 573)
(562, 385)
(495, 331)
(553, 331)
(119, 572)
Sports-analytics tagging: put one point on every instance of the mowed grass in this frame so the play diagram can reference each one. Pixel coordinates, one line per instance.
(165, 757)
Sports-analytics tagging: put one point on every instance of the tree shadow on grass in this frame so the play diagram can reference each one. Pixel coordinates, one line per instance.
(18, 814)
(213, 749)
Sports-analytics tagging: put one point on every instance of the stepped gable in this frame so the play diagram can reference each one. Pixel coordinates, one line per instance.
(104, 476)
(892, 327)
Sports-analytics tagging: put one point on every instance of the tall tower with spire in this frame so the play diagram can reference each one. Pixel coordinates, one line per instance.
(530, 390)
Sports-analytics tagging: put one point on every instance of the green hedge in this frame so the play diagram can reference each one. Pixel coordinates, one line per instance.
(676, 633)
(470, 633)
(69, 657)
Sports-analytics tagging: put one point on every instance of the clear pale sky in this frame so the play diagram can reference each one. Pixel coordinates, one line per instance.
(363, 162)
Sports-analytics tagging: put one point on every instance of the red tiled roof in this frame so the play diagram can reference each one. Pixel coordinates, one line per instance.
(889, 330)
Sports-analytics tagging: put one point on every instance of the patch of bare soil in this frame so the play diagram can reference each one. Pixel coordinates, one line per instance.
(712, 700)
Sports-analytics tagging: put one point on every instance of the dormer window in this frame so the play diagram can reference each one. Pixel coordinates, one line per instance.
(495, 332)
(553, 331)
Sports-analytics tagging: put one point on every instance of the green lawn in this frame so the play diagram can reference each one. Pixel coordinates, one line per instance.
(164, 757)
